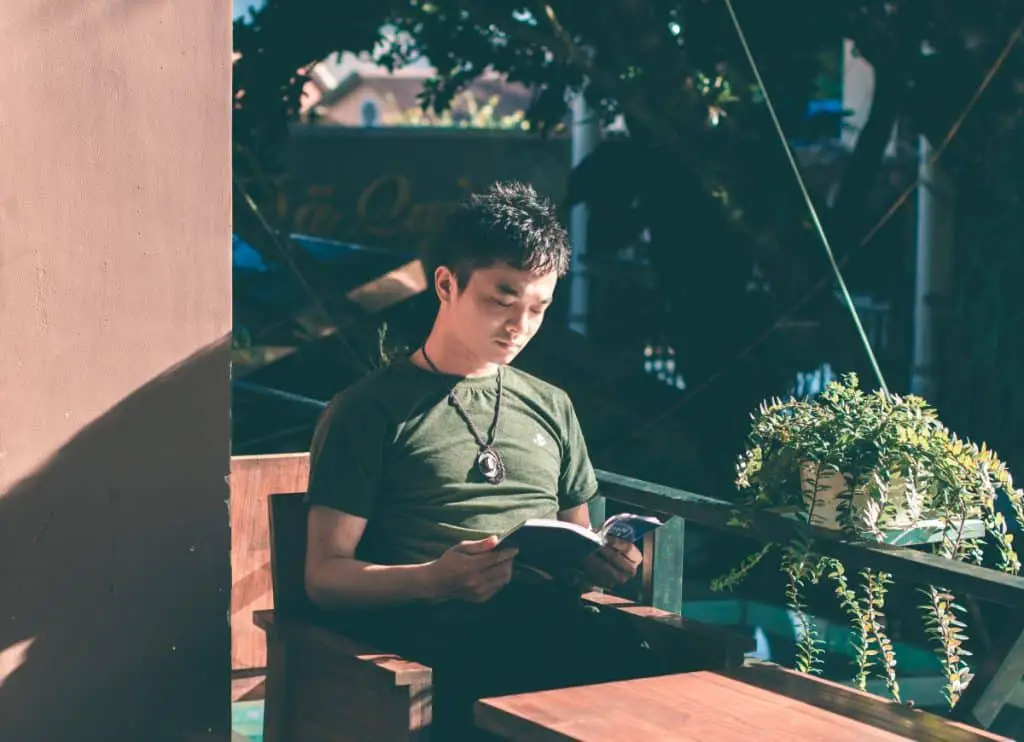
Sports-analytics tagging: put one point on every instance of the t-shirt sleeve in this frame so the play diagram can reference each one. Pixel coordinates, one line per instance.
(346, 456)
(578, 482)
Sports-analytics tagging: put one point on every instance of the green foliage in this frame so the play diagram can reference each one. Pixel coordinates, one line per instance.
(702, 165)
(801, 565)
(472, 115)
(899, 466)
(693, 174)
(860, 639)
(895, 455)
(740, 572)
(947, 631)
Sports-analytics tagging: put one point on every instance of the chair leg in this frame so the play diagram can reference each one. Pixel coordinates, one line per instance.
(275, 708)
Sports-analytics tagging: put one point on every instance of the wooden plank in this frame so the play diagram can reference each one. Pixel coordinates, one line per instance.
(916, 566)
(596, 508)
(671, 633)
(666, 566)
(923, 532)
(698, 705)
(995, 681)
(661, 572)
(398, 671)
(841, 699)
(708, 705)
(253, 478)
(251, 688)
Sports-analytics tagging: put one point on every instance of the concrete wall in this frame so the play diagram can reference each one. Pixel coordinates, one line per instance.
(858, 94)
(114, 322)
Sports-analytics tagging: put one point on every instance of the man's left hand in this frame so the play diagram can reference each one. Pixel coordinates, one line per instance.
(615, 563)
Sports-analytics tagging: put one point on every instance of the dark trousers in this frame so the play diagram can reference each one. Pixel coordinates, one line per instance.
(527, 638)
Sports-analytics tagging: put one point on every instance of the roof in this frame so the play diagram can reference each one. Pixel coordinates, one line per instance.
(404, 85)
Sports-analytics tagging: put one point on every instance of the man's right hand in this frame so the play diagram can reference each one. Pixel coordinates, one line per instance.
(473, 571)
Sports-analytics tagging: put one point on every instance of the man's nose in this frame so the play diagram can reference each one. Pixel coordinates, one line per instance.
(519, 323)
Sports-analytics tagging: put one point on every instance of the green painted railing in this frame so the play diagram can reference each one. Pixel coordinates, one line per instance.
(662, 580)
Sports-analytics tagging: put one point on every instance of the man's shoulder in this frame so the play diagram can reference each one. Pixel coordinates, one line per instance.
(373, 390)
(539, 389)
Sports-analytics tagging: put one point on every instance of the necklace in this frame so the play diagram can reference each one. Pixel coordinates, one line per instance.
(488, 461)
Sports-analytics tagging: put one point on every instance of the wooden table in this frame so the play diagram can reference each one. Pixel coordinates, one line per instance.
(749, 705)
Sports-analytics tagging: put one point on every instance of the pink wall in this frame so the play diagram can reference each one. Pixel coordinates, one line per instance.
(115, 316)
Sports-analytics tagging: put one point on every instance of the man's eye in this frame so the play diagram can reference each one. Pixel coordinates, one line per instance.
(501, 303)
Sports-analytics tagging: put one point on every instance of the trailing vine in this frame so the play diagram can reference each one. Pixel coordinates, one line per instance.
(878, 466)
(860, 637)
(873, 604)
(801, 565)
(737, 574)
(942, 624)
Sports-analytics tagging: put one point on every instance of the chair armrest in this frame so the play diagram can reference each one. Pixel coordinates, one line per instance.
(336, 647)
(673, 633)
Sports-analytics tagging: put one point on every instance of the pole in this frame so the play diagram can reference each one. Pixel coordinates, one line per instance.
(586, 133)
(933, 267)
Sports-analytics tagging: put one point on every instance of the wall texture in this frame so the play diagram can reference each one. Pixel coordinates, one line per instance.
(114, 380)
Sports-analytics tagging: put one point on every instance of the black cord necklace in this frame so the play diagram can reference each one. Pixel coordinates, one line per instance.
(488, 461)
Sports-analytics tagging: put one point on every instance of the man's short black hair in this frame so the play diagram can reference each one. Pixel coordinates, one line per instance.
(508, 223)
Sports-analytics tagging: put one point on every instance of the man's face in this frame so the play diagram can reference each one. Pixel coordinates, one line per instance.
(499, 311)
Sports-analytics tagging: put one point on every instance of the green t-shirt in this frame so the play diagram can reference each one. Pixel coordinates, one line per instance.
(391, 449)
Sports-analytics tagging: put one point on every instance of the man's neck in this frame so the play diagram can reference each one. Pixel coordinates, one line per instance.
(450, 357)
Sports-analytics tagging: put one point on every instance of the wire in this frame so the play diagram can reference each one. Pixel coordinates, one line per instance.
(294, 268)
(953, 130)
(807, 198)
(900, 200)
(788, 314)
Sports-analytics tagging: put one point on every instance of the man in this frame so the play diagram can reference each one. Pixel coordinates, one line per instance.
(418, 467)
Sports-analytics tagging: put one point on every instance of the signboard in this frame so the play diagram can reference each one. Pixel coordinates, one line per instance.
(393, 187)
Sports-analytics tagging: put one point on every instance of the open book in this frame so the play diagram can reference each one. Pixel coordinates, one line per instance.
(553, 546)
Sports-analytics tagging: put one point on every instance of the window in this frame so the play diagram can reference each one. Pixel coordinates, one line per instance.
(369, 113)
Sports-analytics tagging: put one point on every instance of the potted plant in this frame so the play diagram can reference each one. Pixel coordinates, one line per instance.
(877, 467)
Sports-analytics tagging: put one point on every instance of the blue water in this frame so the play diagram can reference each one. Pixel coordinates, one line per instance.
(247, 720)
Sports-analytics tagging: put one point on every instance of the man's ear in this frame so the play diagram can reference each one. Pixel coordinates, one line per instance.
(445, 283)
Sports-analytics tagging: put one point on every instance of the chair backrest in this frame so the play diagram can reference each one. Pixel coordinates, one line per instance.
(288, 515)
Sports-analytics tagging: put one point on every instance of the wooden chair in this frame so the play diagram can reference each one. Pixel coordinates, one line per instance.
(323, 686)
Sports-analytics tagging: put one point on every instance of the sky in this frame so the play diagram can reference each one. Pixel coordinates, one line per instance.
(241, 7)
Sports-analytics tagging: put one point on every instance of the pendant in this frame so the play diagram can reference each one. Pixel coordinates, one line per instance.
(491, 466)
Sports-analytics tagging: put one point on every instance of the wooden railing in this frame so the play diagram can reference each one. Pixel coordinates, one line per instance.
(996, 677)
(255, 477)
(253, 480)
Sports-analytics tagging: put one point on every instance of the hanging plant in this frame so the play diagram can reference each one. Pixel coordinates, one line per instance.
(879, 468)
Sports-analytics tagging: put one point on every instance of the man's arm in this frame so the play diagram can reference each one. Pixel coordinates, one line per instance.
(472, 570)
(335, 577)
(580, 515)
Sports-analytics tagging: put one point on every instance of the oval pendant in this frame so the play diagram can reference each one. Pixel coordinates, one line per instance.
(491, 466)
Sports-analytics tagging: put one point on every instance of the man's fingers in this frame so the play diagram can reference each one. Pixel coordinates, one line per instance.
(497, 570)
(619, 544)
(496, 579)
(629, 559)
(495, 557)
(479, 547)
(611, 568)
(618, 560)
(602, 572)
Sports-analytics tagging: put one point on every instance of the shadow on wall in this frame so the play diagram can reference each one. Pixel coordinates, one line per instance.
(115, 575)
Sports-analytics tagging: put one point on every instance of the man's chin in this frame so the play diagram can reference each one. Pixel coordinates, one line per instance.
(505, 353)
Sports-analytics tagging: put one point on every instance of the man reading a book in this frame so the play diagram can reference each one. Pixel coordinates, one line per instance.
(419, 466)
